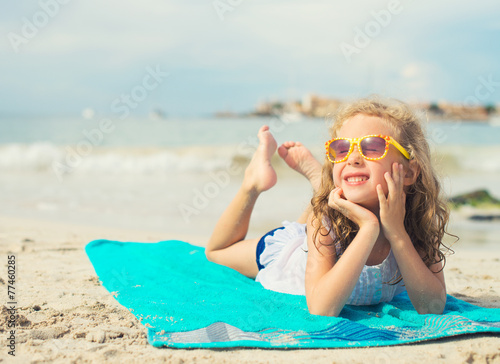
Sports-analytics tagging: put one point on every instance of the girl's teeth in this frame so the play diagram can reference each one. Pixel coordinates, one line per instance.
(356, 179)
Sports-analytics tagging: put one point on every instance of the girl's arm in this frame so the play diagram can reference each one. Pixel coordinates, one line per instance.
(426, 288)
(329, 282)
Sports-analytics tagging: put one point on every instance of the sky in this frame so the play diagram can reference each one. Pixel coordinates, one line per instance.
(193, 58)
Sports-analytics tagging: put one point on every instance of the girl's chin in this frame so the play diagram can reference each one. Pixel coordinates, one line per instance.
(368, 202)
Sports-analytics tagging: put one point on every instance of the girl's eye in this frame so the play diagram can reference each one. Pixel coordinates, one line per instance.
(341, 152)
(340, 148)
(373, 146)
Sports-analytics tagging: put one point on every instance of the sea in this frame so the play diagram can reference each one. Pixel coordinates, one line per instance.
(176, 175)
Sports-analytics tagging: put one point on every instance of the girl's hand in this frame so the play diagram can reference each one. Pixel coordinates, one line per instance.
(392, 207)
(354, 212)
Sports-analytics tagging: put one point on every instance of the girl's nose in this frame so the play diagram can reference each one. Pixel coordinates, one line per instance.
(355, 158)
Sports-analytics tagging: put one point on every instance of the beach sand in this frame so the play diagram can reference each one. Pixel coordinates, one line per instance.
(66, 316)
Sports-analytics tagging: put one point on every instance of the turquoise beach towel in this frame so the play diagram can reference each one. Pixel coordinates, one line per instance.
(186, 301)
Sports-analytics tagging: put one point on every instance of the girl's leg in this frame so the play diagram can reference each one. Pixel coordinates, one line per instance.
(227, 245)
(299, 158)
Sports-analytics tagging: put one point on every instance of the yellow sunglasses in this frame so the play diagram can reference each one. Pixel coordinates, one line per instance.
(371, 147)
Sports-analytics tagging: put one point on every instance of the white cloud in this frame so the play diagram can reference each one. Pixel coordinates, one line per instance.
(259, 42)
(421, 79)
(413, 70)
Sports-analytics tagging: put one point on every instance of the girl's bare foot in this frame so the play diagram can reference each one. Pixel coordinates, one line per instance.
(260, 175)
(300, 159)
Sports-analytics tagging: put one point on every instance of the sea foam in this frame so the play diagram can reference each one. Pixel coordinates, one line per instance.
(43, 157)
(47, 157)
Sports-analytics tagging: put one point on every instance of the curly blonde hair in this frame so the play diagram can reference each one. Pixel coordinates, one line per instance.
(427, 212)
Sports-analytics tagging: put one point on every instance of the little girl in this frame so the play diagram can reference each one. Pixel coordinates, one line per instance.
(375, 224)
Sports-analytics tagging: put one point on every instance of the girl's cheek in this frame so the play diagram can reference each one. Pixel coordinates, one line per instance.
(335, 176)
(336, 173)
(384, 185)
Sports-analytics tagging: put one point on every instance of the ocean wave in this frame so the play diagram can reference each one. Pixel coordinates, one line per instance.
(48, 157)
(467, 159)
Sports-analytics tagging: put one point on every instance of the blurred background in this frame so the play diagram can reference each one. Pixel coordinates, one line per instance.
(144, 114)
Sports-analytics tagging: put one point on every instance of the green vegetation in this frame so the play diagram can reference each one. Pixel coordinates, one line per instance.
(479, 199)
(277, 106)
(434, 108)
(490, 109)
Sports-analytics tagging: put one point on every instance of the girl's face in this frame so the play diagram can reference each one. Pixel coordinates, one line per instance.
(357, 176)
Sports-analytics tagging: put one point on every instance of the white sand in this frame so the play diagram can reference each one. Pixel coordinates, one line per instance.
(69, 317)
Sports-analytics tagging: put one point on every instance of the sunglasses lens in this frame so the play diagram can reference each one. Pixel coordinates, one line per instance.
(339, 149)
(373, 147)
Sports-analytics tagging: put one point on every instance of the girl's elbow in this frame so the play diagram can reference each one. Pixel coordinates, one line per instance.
(322, 312)
(211, 255)
(208, 255)
(316, 308)
(435, 307)
(425, 311)
(437, 310)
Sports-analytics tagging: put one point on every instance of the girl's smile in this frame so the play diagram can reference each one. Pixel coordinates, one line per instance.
(354, 179)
